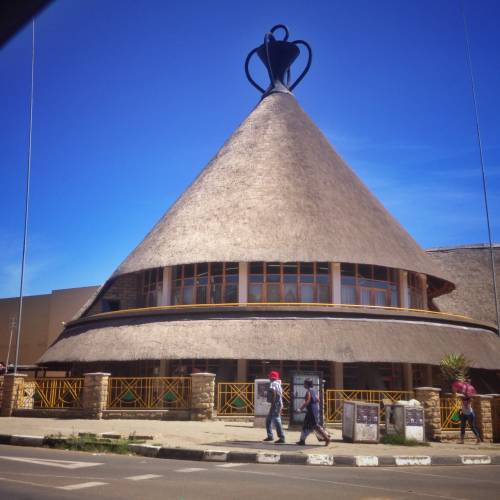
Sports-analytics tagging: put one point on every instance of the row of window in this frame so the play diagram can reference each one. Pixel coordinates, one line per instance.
(306, 282)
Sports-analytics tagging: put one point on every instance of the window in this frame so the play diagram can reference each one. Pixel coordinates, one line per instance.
(415, 292)
(151, 288)
(205, 283)
(305, 282)
(369, 285)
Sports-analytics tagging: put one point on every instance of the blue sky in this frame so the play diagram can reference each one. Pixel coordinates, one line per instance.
(132, 99)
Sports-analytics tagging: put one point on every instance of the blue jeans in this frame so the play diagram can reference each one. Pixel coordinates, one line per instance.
(471, 418)
(276, 420)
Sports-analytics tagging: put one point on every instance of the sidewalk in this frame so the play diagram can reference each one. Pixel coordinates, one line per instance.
(228, 436)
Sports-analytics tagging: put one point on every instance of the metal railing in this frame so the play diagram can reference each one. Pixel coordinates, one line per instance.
(334, 401)
(50, 393)
(237, 399)
(149, 393)
(449, 408)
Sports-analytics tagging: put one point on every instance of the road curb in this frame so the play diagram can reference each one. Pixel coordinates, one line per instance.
(274, 458)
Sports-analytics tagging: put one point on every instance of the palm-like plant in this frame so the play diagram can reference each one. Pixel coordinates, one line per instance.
(455, 367)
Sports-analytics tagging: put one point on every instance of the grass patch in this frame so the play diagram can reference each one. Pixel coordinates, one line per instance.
(397, 440)
(89, 443)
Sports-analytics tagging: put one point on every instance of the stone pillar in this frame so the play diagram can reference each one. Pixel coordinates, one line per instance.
(166, 294)
(482, 409)
(95, 394)
(336, 283)
(241, 375)
(403, 289)
(429, 397)
(202, 396)
(243, 283)
(12, 385)
(337, 375)
(407, 370)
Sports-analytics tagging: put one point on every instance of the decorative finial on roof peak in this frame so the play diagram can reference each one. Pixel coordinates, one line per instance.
(278, 56)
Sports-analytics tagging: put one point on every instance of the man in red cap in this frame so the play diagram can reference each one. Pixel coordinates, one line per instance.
(275, 397)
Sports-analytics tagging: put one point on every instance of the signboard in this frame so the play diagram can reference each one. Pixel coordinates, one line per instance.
(414, 416)
(298, 393)
(261, 406)
(367, 415)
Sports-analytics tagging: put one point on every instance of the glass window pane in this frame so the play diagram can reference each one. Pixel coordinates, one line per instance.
(322, 268)
(177, 272)
(231, 293)
(273, 293)
(231, 278)
(380, 298)
(232, 267)
(306, 293)
(273, 278)
(216, 294)
(306, 268)
(348, 280)
(202, 269)
(188, 270)
(254, 293)
(273, 268)
(290, 268)
(187, 295)
(365, 296)
(177, 296)
(380, 273)
(256, 278)
(323, 294)
(256, 268)
(348, 269)
(290, 278)
(188, 281)
(365, 271)
(348, 295)
(201, 295)
(216, 268)
(202, 281)
(394, 297)
(307, 278)
(322, 278)
(290, 291)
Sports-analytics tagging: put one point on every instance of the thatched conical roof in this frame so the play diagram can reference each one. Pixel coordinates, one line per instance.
(277, 191)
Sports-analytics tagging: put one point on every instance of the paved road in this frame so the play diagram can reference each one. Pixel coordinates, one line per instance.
(37, 473)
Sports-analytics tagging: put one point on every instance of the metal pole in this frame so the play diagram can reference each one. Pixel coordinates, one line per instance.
(26, 204)
(481, 159)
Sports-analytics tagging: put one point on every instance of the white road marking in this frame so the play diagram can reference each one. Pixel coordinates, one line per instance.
(24, 482)
(80, 486)
(461, 476)
(190, 469)
(64, 464)
(144, 476)
(228, 465)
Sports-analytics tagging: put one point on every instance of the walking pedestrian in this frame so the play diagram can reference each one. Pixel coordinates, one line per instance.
(312, 420)
(465, 390)
(275, 397)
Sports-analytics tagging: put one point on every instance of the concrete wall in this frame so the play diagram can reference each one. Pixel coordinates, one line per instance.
(42, 321)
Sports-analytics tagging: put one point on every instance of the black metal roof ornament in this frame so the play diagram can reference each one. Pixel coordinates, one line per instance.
(278, 56)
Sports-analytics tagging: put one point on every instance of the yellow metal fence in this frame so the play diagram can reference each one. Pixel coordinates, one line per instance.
(50, 393)
(237, 398)
(334, 401)
(151, 393)
(449, 408)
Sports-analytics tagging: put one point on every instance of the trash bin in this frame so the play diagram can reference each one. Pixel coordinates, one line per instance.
(405, 420)
(361, 422)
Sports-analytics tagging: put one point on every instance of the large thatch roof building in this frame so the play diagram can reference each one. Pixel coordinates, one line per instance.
(277, 255)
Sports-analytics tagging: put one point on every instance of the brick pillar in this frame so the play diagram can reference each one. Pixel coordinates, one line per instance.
(12, 384)
(95, 394)
(429, 397)
(482, 409)
(202, 396)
